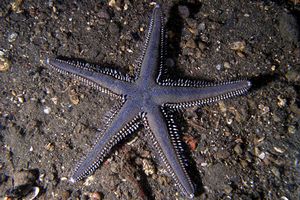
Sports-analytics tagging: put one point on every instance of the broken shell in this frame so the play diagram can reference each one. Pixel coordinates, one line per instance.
(25, 192)
(238, 46)
(4, 64)
(74, 98)
(191, 142)
(33, 194)
(148, 167)
(278, 150)
(281, 102)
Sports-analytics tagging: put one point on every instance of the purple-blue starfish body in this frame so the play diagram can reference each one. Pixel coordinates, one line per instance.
(145, 102)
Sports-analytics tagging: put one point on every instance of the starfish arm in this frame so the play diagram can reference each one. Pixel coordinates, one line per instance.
(183, 97)
(127, 121)
(166, 141)
(105, 80)
(152, 48)
(184, 82)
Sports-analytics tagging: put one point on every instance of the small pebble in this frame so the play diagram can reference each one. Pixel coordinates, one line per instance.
(262, 155)
(54, 100)
(218, 67)
(202, 46)
(276, 172)
(95, 196)
(292, 129)
(203, 164)
(226, 65)
(12, 37)
(125, 6)
(201, 26)
(238, 150)
(227, 133)
(47, 110)
(114, 167)
(21, 99)
(244, 163)
(16, 6)
(204, 38)
(222, 106)
(113, 4)
(50, 147)
(264, 109)
(64, 178)
(273, 67)
(190, 44)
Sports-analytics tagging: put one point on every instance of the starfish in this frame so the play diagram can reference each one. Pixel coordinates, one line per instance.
(145, 101)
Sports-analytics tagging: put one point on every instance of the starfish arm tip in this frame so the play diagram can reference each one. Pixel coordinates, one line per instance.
(191, 196)
(190, 192)
(47, 61)
(249, 83)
